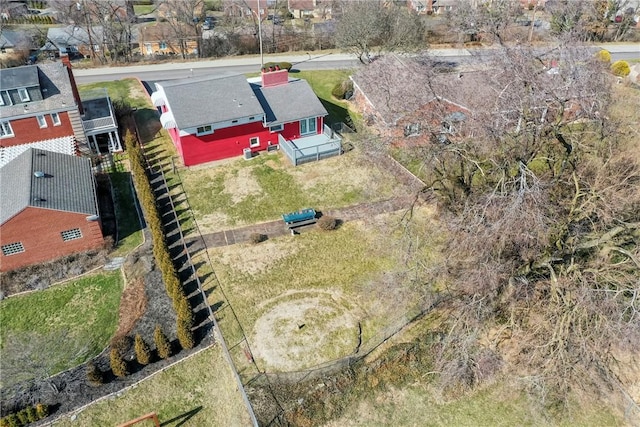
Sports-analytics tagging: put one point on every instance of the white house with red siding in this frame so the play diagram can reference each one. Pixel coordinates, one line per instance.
(225, 115)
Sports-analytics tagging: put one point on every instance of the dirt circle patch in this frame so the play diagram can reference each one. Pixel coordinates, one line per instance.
(302, 331)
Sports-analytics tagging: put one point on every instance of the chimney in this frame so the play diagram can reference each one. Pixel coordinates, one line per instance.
(274, 77)
(74, 88)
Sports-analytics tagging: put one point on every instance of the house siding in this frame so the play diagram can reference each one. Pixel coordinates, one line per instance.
(27, 130)
(224, 143)
(39, 232)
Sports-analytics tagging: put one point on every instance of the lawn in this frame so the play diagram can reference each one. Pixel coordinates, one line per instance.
(310, 299)
(52, 330)
(237, 192)
(126, 90)
(497, 405)
(199, 391)
(129, 231)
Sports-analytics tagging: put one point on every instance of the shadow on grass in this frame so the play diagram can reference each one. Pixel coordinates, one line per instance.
(182, 418)
(337, 113)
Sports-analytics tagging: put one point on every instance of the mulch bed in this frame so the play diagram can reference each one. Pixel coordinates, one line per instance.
(144, 310)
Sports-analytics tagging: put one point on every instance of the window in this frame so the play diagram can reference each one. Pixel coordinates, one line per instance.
(251, 118)
(254, 142)
(5, 130)
(308, 126)
(163, 45)
(276, 128)
(412, 129)
(1, 99)
(42, 122)
(71, 234)
(204, 130)
(24, 95)
(148, 48)
(55, 118)
(12, 248)
(234, 121)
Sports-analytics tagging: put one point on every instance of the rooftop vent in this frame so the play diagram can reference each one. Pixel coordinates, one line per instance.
(39, 174)
(39, 199)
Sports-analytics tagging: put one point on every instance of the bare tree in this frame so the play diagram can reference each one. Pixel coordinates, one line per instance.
(184, 17)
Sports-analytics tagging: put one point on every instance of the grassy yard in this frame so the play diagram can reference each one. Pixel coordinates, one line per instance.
(238, 192)
(129, 232)
(498, 405)
(323, 83)
(127, 90)
(197, 392)
(48, 331)
(144, 9)
(328, 282)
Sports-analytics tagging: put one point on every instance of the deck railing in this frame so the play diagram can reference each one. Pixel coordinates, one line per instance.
(99, 123)
(332, 147)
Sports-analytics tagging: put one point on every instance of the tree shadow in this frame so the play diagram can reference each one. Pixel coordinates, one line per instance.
(182, 418)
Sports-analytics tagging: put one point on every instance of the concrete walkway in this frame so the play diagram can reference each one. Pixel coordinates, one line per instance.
(278, 228)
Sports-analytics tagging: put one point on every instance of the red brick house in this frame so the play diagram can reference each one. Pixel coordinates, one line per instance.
(40, 107)
(220, 116)
(48, 208)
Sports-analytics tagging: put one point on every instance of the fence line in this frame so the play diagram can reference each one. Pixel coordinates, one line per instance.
(216, 329)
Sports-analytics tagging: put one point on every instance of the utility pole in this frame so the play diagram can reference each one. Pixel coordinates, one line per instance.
(259, 32)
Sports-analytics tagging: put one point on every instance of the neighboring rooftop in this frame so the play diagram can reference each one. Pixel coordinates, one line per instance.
(55, 88)
(222, 97)
(66, 184)
(289, 102)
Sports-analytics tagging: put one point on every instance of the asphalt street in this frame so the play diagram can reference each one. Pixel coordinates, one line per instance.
(304, 61)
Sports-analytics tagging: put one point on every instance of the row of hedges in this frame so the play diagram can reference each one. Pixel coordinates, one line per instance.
(31, 19)
(28, 415)
(184, 313)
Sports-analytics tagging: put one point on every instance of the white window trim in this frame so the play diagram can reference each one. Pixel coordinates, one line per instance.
(276, 128)
(55, 119)
(6, 127)
(204, 130)
(253, 144)
(72, 234)
(42, 121)
(23, 94)
(12, 249)
(1, 99)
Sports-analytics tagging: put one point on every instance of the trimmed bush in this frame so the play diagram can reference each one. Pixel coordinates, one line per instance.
(122, 343)
(143, 352)
(94, 374)
(341, 89)
(185, 334)
(283, 65)
(11, 420)
(118, 364)
(621, 68)
(327, 223)
(603, 56)
(162, 343)
(42, 410)
(31, 414)
(22, 417)
(256, 238)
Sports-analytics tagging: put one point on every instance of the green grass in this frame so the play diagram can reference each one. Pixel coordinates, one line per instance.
(239, 192)
(323, 83)
(55, 329)
(127, 90)
(129, 232)
(197, 392)
(143, 9)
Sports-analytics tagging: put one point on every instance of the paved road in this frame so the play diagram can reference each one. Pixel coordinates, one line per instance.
(311, 61)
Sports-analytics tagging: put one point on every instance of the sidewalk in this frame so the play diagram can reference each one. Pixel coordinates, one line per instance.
(278, 228)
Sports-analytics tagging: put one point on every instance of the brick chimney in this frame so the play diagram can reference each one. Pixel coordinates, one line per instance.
(274, 76)
(66, 62)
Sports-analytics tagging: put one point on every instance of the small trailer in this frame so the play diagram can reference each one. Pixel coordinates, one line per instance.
(299, 218)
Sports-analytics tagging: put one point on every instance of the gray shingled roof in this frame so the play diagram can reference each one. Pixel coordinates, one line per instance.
(68, 184)
(289, 102)
(13, 78)
(54, 84)
(210, 99)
